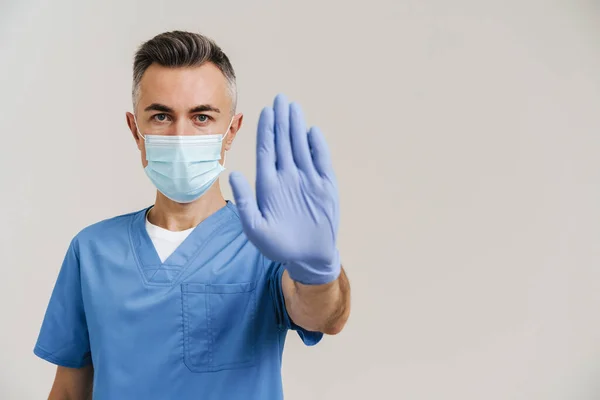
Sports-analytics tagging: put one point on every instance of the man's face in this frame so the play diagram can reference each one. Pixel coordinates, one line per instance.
(184, 101)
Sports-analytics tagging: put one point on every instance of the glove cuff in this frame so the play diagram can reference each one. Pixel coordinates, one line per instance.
(311, 274)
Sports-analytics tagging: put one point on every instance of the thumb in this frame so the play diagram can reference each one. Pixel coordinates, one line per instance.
(245, 201)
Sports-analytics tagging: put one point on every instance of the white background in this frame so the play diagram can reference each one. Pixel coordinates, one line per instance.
(465, 135)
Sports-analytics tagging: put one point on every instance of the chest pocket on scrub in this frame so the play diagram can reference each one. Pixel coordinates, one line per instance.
(219, 328)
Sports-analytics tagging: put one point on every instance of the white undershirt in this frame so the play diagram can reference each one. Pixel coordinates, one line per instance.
(165, 241)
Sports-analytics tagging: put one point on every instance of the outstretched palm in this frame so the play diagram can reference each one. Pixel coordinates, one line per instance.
(295, 214)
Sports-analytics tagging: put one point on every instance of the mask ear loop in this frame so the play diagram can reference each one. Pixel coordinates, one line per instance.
(223, 139)
(138, 129)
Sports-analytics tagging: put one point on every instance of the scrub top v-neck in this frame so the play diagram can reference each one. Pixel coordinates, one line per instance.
(153, 270)
(208, 323)
(165, 241)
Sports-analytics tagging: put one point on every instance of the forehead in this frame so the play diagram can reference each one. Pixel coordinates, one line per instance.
(184, 87)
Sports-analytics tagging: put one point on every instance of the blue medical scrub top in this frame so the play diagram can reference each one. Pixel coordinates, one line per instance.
(208, 323)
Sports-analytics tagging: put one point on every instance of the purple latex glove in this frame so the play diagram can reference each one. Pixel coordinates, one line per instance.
(295, 215)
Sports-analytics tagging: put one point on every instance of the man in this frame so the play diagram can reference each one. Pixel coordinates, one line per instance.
(192, 297)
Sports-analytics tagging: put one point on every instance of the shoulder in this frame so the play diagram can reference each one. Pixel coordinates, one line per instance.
(107, 229)
(228, 219)
(235, 213)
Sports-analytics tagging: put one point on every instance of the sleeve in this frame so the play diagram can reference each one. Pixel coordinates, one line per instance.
(63, 339)
(274, 275)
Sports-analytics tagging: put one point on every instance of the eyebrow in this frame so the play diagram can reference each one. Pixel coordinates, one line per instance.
(166, 109)
(159, 107)
(204, 108)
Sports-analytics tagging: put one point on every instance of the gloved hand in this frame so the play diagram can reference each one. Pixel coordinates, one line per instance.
(295, 215)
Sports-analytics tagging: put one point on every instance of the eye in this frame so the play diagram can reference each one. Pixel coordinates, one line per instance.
(160, 117)
(202, 118)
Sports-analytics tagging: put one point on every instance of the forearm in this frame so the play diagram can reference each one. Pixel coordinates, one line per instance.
(72, 383)
(323, 308)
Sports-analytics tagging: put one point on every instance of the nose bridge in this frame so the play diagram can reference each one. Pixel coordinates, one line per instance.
(182, 127)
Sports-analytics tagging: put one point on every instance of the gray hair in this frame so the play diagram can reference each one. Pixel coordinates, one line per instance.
(181, 49)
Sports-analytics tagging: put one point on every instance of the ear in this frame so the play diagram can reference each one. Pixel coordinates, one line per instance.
(133, 129)
(235, 127)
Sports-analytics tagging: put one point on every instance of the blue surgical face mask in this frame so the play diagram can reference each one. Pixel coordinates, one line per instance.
(183, 168)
